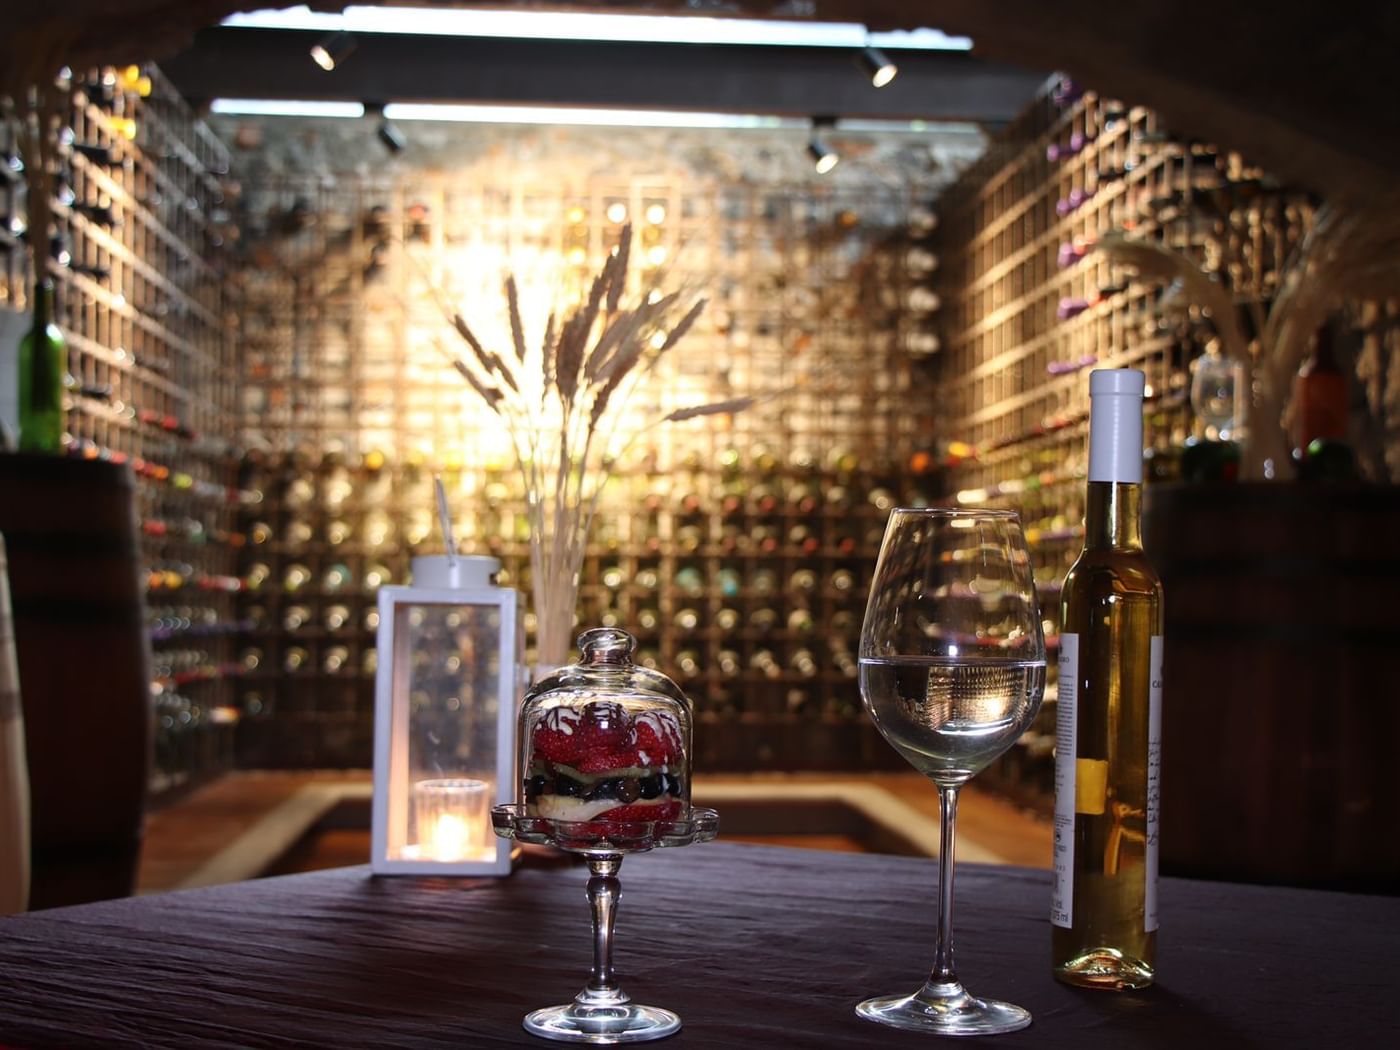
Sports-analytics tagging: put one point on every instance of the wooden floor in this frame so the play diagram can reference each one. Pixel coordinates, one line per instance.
(181, 838)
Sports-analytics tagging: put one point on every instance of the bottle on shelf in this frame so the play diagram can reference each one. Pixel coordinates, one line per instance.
(337, 577)
(337, 616)
(296, 577)
(688, 663)
(686, 619)
(803, 663)
(727, 660)
(296, 617)
(1320, 414)
(43, 364)
(765, 663)
(337, 656)
(1107, 762)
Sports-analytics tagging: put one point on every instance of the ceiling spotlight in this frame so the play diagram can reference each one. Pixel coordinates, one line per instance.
(824, 158)
(388, 132)
(391, 135)
(332, 49)
(878, 65)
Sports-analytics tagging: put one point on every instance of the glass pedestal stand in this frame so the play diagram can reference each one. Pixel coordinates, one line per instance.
(602, 1013)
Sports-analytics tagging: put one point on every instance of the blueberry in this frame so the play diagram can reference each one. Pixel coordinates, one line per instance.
(568, 786)
(602, 789)
(673, 784)
(650, 786)
(534, 787)
(628, 790)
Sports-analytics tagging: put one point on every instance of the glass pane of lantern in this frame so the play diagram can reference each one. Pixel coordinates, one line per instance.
(449, 655)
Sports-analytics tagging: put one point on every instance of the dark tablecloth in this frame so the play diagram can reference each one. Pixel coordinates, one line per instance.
(753, 946)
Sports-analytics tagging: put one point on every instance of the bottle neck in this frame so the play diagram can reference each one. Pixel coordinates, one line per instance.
(1113, 516)
(43, 304)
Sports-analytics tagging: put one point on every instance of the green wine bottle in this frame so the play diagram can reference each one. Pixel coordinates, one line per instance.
(43, 360)
(1108, 718)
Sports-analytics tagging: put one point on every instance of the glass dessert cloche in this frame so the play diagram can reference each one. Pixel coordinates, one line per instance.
(605, 740)
(605, 751)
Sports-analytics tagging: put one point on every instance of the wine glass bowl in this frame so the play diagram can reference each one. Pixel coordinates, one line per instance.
(952, 670)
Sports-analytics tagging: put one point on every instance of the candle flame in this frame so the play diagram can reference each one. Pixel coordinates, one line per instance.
(450, 837)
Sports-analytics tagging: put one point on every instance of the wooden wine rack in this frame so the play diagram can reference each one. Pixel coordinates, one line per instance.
(138, 259)
(737, 549)
(1029, 309)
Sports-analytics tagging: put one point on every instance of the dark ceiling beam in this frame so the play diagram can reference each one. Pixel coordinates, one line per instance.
(783, 81)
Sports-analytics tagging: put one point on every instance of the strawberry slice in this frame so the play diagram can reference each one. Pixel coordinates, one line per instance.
(556, 737)
(658, 738)
(604, 738)
(669, 810)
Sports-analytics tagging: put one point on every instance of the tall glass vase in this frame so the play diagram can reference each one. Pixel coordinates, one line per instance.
(555, 594)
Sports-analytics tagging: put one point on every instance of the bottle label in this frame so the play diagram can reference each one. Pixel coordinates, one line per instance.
(1066, 779)
(1154, 779)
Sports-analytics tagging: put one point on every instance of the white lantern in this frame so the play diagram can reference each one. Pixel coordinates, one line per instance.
(446, 695)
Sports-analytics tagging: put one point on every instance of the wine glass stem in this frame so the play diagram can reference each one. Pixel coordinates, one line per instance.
(943, 957)
(604, 889)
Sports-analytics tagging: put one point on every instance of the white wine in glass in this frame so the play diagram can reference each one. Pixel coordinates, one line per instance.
(952, 670)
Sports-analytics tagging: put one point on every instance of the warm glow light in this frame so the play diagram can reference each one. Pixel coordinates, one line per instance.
(449, 838)
(262, 107)
(562, 25)
(574, 116)
(617, 212)
(656, 214)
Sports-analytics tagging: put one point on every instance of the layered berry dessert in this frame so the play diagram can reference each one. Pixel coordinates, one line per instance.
(597, 762)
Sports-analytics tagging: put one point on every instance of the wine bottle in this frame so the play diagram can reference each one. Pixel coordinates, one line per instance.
(294, 659)
(1319, 397)
(43, 359)
(1108, 717)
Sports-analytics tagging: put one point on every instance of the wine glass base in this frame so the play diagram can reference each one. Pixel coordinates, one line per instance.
(944, 1010)
(602, 1025)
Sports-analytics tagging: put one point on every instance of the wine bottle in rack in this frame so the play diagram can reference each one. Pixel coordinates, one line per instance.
(336, 658)
(43, 362)
(1108, 717)
(764, 662)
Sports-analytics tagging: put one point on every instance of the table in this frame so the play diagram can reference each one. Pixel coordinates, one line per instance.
(754, 946)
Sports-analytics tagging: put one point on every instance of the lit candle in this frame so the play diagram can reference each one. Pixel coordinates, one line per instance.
(453, 818)
(449, 837)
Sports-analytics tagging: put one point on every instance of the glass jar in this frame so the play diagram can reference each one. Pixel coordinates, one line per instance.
(605, 739)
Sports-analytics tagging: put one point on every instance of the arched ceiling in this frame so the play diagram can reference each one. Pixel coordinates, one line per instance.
(1308, 90)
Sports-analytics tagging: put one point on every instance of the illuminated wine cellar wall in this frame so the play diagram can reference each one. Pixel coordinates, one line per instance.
(139, 256)
(736, 548)
(1029, 308)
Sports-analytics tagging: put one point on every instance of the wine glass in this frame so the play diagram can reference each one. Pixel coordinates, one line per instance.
(952, 668)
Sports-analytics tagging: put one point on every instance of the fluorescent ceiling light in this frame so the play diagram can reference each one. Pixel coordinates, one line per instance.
(559, 25)
(565, 115)
(264, 107)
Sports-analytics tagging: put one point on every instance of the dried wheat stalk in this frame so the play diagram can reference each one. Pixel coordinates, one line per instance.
(564, 425)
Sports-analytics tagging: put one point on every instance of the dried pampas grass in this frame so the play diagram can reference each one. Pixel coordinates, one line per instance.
(562, 405)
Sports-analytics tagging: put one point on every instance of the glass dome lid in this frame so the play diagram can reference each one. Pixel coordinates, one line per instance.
(605, 740)
(605, 667)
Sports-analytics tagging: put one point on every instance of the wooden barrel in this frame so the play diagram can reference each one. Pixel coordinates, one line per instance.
(84, 670)
(1280, 719)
